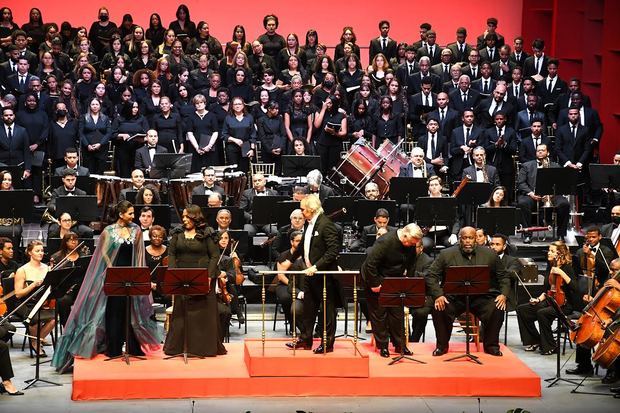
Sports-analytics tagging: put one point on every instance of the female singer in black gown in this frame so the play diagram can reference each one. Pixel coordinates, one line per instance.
(194, 246)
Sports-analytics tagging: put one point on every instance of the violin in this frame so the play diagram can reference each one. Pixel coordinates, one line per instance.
(224, 295)
(556, 281)
(239, 277)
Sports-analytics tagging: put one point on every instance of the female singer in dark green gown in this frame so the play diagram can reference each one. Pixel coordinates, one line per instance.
(194, 246)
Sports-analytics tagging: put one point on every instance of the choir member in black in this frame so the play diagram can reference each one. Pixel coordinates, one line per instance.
(272, 42)
(501, 144)
(156, 255)
(462, 141)
(392, 255)
(360, 122)
(387, 126)
(183, 105)
(539, 309)
(181, 78)
(309, 49)
(6, 369)
(297, 120)
(284, 287)
(8, 265)
(194, 246)
(269, 85)
(350, 78)
(183, 26)
(202, 135)
(204, 65)
(124, 128)
(272, 135)
(331, 125)
(95, 131)
(101, 31)
(203, 36)
(319, 248)
(155, 32)
(169, 127)
(145, 59)
(239, 134)
(34, 119)
(489, 308)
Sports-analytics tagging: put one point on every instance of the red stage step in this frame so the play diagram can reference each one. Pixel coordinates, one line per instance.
(228, 376)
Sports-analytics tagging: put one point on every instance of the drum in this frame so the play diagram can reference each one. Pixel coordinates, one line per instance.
(179, 192)
(394, 159)
(357, 167)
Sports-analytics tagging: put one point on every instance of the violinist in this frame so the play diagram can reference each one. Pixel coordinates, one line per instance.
(229, 267)
(443, 235)
(28, 278)
(156, 254)
(8, 265)
(560, 284)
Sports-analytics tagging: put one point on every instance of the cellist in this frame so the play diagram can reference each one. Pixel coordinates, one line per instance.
(559, 284)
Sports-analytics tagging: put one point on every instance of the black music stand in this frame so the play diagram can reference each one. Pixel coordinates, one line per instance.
(467, 280)
(283, 210)
(351, 261)
(401, 292)
(604, 176)
(556, 181)
(501, 220)
(161, 214)
(185, 282)
(54, 280)
(293, 165)
(16, 204)
(85, 183)
(569, 326)
(365, 210)
(337, 203)
(127, 282)
(170, 165)
(236, 213)
(406, 190)
(473, 194)
(263, 209)
(82, 208)
(203, 200)
(434, 211)
(16, 171)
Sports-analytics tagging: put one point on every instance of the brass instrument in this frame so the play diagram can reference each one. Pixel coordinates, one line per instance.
(547, 199)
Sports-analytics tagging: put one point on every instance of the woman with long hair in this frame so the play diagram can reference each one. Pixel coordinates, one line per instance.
(377, 69)
(323, 66)
(95, 131)
(292, 48)
(144, 58)
(387, 125)
(169, 126)
(498, 197)
(240, 61)
(297, 120)
(165, 47)
(183, 26)
(150, 104)
(194, 246)
(47, 67)
(148, 195)
(155, 33)
(331, 125)
(142, 83)
(97, 321)
(239, 134)
(360, 122)
(129, 123)
(9, 227)
(163, 73)
(239, 36)
(309, 49)
(202, 36)
(347, 36)
(86, 82)
(132, 46)
(34, 28)
(241, 87)
(178, 59)
(292, 68)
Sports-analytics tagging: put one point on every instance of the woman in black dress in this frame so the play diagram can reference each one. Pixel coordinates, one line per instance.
(297, 120)
(348, 36)
(95, 131)
(169, 126)
(156, 255)
(331, 125)
(272, 42)
(130, 123)
(239, 133)
(272, 135)
(387, 126)
(155, 32)
(193, 246)
(202, 135)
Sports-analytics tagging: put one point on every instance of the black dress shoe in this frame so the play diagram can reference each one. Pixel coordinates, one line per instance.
(610, 377)
(384, 352)
(405, 352)
(581, 370)
(494, 352)
(320, 349)
(299, 345)
(4, 390)
(439, 351)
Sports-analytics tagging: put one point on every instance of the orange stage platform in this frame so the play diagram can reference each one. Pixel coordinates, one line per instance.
(245, 372)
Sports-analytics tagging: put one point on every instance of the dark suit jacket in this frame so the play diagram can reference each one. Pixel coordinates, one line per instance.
(360, 244)
(17, 150)
(143, 160)
(449, 86)
(324, 192)
(12, 83)
(511, 90)
(456, 101)
(559, 88)
(501, 157)
(324, 245)
(61, 191)
(592, 121)
(484, 118)
(402, 72)
(407, 170)
(600, 268)
(441, 146)
(607, 230)
(247, 198)
(562, 101)
(491, 174)
(438, 70)
(375, 48)
(485, 57)
(497, 73)
(529, 68)
(457, 139)
(435, 58)
(201, 190)
(568, 148)
(521, 60)
(81, 170)
(451, 120)
(522, 121)
(527, 176)
(478, 85)
(417, 106)
(414, 83)
(527, 151)
(457, 56)
(468, 71)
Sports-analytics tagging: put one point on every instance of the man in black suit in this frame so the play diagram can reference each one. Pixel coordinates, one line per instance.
(409, 67)
(518, 55)
(137, 181)
(572, 143)
(487, 108)
(529, 143)
(316, 186)
(442, 69)
(208, 185)
(424, 28)
(485, 84)
(564, 101)
(489, 307)
(491, 29)
(14, 143)
(417, 168)
(414, 84)
(17, 83)
(499, 244)
(431, 49)
(528, 198)
(381, 220)
(383, 44)
(20, 39)
(420, 104)
(319, 249)
(489, 53)
(420, 315)
(247, 200)
(525, 117)
(503, 67)
(67, 188)
(71, 162)
(282, 241)
(612, 230)
(502, 144)
(552, 86)
(146, 153)
(462, 141)
(35, 87)
(9, 67)
(460, 49)
(588, 117)
(464, 97)
(529, 88)
(481, 171)
(537, 63)
(392, 255)
(455, 75)
(515, 87)
(473, 68)
(448, 118)
(435, 146)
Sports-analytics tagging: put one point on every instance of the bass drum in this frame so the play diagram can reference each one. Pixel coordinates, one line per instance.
(394, 159)
(357, 167)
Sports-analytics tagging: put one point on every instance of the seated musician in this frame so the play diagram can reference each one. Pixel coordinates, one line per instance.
(246, 202)
(137, 181)
(71, 162)
(417, 167)
(67, 188)
(381, 220)
(146, 221)
(316, 185)
(66, 257)
(208, 185)
(223, 220)
(480, 171)
(612, 230)
(8, 265)
(499, 244)
(65, 225)
(371, 191)
(148, 195)
(539, 309)
(440, 235)
(281, 242)
(482, 239)
(214, 200)
(591, 261)
(489, 308)
(527, 197)
(9, 227)
(228, 274)
(6, 368)
(28, 278)
(498, 198)
(146, 153)
(420, 315)
(611, 195)
(284, 286)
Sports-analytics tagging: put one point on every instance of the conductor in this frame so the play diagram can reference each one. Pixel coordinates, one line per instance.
(319, 249)
(489, 307)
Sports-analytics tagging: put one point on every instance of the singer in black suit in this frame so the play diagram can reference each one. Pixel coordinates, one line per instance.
(535, 137)
(383, 44)
(145, 154)
(462, 141)
(500, 151)
(448, 118)
(319, 249)
(464, 97)
(572, 142)
(14, 142)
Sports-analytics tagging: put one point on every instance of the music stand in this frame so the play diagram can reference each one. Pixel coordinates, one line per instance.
(127, 282)
(293, 165)
(401, 292)
(185, 282)
(53, 280)
(569, 326)
(467, 280)
(81, 207)
(472, 194)
(161, 214)
(85, 183)
(501, 220)
(433, 211)
(337, 203)
(16, 171)
(604, 176)
(170, 165)
(365, 209)
(351, 261)
(236, 219)
(16, 204)
(405, 190)
(263, 209)
(283, 210)
(556, 181)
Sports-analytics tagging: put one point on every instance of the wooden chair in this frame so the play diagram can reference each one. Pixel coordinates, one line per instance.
(474, 328)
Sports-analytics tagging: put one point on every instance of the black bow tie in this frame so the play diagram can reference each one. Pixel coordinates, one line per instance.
(415, 168)
(152, 147)
(260, 192)
(479, 169)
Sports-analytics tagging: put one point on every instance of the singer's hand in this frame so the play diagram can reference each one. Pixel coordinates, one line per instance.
(500, 302)
(440, 303)
(376, 289)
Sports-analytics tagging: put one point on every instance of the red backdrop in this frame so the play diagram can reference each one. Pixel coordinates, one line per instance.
(327, 16)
